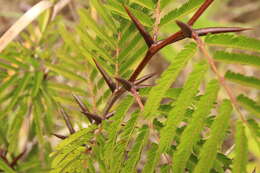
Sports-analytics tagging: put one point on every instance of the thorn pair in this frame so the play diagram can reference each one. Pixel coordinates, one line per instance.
(15, 160)
(154, 46)
(133, 87)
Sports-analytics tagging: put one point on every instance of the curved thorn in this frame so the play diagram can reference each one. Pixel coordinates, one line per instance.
(147, 37)
(107, 78)
(67, 121)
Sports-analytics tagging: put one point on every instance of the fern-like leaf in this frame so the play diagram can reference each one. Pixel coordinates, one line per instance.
(176, 115)
(136, 150)
(218, 129)
(191, 133)
(243, 80)
(185, 9)
(234, 41)
(237, 58)
(249, 104)
(241, 150)
(167, 78)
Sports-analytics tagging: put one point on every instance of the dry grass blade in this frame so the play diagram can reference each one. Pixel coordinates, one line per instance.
(60, 5)
(23, 22)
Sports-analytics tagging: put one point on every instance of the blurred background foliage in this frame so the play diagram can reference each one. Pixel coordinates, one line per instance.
(69, 72)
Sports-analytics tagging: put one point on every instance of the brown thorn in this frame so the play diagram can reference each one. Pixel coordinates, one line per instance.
(144, 78)
(107, 78)
(95, 117)
(126, 84)
(60, 136)
(147, 37)
(143, 86)
(80, 103)
(109, 115)
(67, 121)
(186, 29)
(17, 158)
(218, 30)
(199, 12)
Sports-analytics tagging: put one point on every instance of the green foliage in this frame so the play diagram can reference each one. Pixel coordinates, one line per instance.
(243, 80)
(191, 134)
(209, 150)
(241, 149)
(168, 77)
(177, 130)
(233, 41)
(185, 9)
(235, 58)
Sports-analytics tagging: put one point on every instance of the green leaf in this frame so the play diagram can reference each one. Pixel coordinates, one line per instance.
(117, 8)
(64, 72)
(241, 149)
(21, 86)
(38, 77)
(152, 154)
(87, 20)
(114, 127)
(237, 58)
(184, 10)
(5, 167)
(135, 152)
(249, 104)
(234, 41)
(176, 115)
(74, 137)
(147, 4)
(124, 139)
(13, 133)
(243, 80)
(164, 3)
(167, 78)
(191, 133)
(218, 129)
(104, 13)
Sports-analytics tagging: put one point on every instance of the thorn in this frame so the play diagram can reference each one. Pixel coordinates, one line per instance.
(126, 84)
(67, 121)
(94, 117)
(199, 12)
(143, 86)
(60, 136)
(107, 78)
(144, 78)
(147, 37)
(80, 103)
(17, 158)
(185, 28)
(109, 115)
(217, 30)
(137, 98)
